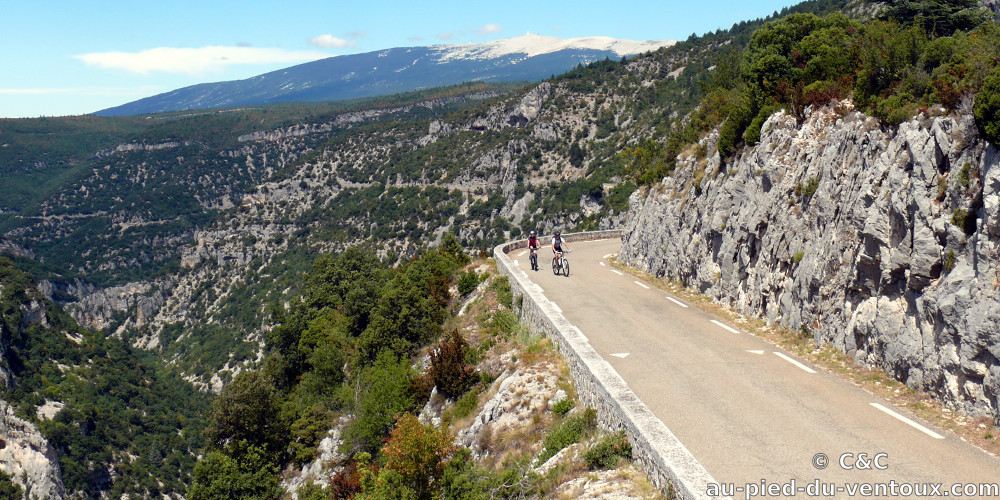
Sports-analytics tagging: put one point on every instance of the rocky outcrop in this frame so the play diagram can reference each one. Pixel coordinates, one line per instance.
(884, 243)
(138, 302)
(519, 395)
(27, 456)
(15, 249)
(137, 146)
(519, 114)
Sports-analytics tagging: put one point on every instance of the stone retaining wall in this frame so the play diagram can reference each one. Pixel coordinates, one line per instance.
(654, 448)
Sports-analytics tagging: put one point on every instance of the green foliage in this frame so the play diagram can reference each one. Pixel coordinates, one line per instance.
(570, 430)
(468, 282)
(349, 282)
(9, 489)
(608, 452)
(798, 257)
(465, 405)
(962, 219)
(562, 406)
(987, 107)
(451, 373)
(451, 247)
(753, 131)
(501, 286)
(116, 399)
(385, 391)
(307, 432)
(246, 411)
(240, 470)
(403, 318)
(805, 192)
(949, 260)
(938, 17)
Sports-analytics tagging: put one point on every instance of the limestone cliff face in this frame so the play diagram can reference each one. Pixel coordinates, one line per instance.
(28, 457)
(884, 243)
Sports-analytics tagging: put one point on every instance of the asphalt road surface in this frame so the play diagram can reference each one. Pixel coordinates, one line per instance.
(749, 411)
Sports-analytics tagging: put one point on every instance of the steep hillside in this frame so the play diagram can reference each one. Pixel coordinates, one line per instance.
(184, 236)
(85, 413)
(876, 234)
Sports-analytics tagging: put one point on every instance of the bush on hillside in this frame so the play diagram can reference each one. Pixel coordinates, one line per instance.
(987, 107)
(452, 375)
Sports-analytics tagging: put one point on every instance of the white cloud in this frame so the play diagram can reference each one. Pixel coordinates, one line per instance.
(416, 38)
(194, 61)
(330, 41)
(488, 29)
(446, 35)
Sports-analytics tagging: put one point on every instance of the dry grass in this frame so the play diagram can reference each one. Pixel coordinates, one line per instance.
(980, 432)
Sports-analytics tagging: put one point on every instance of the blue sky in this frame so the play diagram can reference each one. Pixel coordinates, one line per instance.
(76, 57)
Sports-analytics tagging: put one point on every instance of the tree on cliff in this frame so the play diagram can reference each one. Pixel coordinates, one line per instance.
(987, 107)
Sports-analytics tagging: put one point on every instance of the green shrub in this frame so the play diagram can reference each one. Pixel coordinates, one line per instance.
(386, 392)
(753, 132)
(248, 472)
(465, 405)
(504, 294)
(562, 407)
(570, 431)
(468, 282)
(608, 452)
(949, 261)
(798, 257)
(9, 489)
(964, 220)
(987, 107)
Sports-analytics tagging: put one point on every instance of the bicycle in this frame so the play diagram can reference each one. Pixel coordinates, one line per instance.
(560, 265)
(533, 258)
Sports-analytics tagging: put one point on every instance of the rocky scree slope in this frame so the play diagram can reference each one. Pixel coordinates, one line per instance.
(884, 243)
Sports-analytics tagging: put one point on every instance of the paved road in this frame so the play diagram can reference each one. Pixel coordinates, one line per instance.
(746, 412)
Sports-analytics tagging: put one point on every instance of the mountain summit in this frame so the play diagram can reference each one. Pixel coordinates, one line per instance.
(525, 58)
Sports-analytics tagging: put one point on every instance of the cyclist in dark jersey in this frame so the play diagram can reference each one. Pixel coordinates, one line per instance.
(559, 245)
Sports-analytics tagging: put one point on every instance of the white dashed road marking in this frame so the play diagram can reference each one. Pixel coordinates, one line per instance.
(755, 351)
(640, 284)
(794, 362)
(602, 263)
(619, 273)
(909, 422)
(727, 327)
(675, 301)
(619, 354)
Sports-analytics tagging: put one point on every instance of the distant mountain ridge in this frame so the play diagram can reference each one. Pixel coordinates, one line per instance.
(390, 71)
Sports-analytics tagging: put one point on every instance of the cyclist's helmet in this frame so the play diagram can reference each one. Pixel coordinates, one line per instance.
(532, 232)
(558, 233)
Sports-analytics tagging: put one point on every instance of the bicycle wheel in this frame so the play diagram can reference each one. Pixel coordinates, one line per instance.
(565, 267)
(555, 266)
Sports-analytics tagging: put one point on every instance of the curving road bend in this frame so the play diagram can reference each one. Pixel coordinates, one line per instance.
(746, 409)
